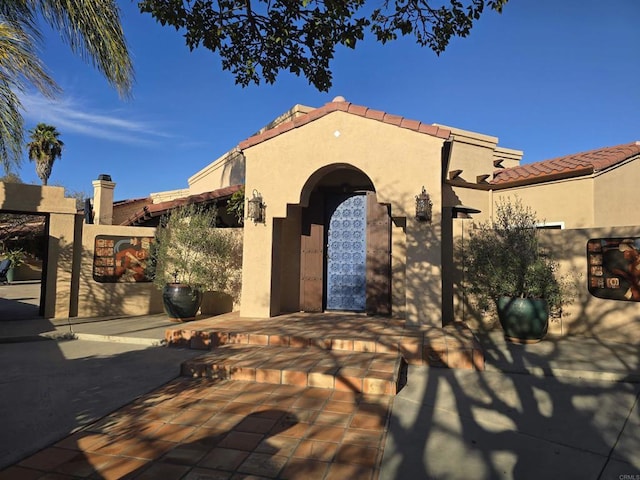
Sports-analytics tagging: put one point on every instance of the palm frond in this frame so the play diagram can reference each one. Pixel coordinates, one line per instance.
(92, 30)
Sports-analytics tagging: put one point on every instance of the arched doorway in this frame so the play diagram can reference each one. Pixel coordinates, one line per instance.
(345, 244)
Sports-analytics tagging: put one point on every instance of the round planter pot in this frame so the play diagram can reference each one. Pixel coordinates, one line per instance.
(11, 275)
(181, 302)
(524, 320)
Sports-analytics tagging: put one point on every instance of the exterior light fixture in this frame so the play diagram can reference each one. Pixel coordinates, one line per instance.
(423, 207)
(255, 208)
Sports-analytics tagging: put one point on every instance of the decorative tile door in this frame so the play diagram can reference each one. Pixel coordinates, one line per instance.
(347, 253)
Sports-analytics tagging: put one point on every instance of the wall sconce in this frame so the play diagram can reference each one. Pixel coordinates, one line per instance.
(423, 207)
(255, 208)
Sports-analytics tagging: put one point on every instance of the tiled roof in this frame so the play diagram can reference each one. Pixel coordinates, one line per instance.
(574, 165)
(158, 209)
(348, 107)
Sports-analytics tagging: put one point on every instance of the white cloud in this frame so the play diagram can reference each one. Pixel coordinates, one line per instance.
(69, 116)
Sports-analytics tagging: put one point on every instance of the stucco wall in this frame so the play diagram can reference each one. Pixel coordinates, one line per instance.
(225, 171)
(585, 314)
(108, 299)
(613, 195)
(398, 162)
(568, 201)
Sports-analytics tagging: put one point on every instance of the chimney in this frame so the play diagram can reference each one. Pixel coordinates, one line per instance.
(103, 200)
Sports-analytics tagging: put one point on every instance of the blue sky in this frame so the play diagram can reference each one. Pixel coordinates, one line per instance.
(547, 77)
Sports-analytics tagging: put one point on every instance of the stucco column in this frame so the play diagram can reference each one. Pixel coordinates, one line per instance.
(256, 269)
(59, 265)
(423, 273)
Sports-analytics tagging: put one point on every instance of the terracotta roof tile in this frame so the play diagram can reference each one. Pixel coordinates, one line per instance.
(392, 119)
(577, 164)
(359, 110)
(158, 209)
(375, 115)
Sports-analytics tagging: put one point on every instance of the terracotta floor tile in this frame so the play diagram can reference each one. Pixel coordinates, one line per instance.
(118, 446)
(325, 433)
(86, 443)
(84, 464)
(278, 445)
(246, 441)
(160, 413)
(223, 459)
(316, 450)
(368, 422)
(305, 469)
(340, 471)
(303, 415)
(223, 422)
(379, 386)
(149, 450)
(207, 474)
(173, 433)
(243, 373)
(211, 405)
(348, 384)
(19, 473)
(321, 380)
(334, 419)
(263, 465)
(186, 454)
(374, 406)
(340, 407)
(164, 471)
(268, 411)
(120, 467)
(250, 397)
(357, 454)
(348, 396)
(297, 430)
(294, 377)
(314, 403)
(192, 417)
(81, 440)
(237, 408)
(370, 438)
(48, 459)
(255, 424)
(280, 401)
(268, 375)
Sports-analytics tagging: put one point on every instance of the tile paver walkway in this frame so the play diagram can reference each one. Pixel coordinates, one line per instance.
(198, 428)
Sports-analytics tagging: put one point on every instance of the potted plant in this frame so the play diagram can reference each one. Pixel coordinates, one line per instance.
(506, 267)
(17, 258)
(189, 256)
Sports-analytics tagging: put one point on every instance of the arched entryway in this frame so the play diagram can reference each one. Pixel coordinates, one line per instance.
(344, 244)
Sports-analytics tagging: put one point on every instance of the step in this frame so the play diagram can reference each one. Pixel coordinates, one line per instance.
(450, 347)
(362, 372)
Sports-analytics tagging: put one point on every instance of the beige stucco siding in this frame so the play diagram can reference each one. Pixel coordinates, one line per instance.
(588, 315)
(398, 162)
(225, 171)
(615, 197)
(568, 201)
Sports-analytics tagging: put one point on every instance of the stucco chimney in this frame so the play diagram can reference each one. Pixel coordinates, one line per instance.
(103, 200)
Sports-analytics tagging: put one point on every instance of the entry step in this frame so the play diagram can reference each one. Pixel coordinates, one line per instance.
(365, 372)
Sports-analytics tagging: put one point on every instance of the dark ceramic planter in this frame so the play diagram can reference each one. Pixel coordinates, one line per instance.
(181, 302)
(524, 320)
